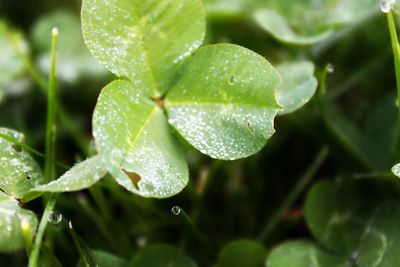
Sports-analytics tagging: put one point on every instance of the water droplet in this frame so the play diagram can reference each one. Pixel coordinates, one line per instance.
(386, 5)
(176, 210)
(232, 79)
(330, 68)
(54, 217)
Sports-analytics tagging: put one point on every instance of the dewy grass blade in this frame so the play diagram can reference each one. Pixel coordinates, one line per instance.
(50, 151)
(396, 50)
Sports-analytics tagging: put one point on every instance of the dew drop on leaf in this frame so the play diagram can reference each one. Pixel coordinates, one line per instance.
(54, 217)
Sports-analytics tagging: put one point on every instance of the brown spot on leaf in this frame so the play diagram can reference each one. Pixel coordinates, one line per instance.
(135, 178)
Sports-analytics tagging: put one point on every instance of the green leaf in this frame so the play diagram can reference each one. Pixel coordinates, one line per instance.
(380, 242)
(73, 58)
(143, 40)
(161, 255)
(278, 26)
(332, 218)
(18, 171)
(303, 254)
(351, 11)
(242, 253)
(351, 223)
(308, 22)
(133, 137)
(224, 103)
(81, 176)
(15, 224)
(12, 47)
(226, 8)
(298, 85)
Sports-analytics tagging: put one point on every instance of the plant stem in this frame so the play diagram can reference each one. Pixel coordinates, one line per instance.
(271, 223)
(34, 256)
(49, 168)
(50, 150)
(396, 51)
(178, 211)
(66, 119)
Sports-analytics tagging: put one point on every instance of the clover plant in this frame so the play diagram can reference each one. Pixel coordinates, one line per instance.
(220, 98)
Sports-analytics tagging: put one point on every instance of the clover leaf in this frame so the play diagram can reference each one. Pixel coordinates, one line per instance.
(350, 230)
(220, 98)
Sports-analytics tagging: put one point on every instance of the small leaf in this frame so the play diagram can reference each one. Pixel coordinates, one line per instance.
(225, 8)
(81, 176)
(133, 137)
(18, 171)
(349, 222)
(298, 85)
(105, 259)
(15, 223)
(303, 254)
(380, 242)
(332, 220)
(161, 255)
(74, 59)
(224, 103)
(242, 253)
(310, 22)
(143, 40)
(272, 22)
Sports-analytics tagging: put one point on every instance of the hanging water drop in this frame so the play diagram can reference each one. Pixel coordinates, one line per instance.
(54, 217)
(386, 5)
(176, 210)
(330, 68)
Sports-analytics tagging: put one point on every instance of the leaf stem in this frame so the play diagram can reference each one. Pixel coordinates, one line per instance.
(271, 223)
(34, 256)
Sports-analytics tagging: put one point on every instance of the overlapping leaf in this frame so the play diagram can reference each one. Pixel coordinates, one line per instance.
(309, 22)
(228, 112)
(18, 171)
(298, 85)
(133, 135)
(304, 254)
(16, 224)
(351, 229)
(81, 176)
(143, 40)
